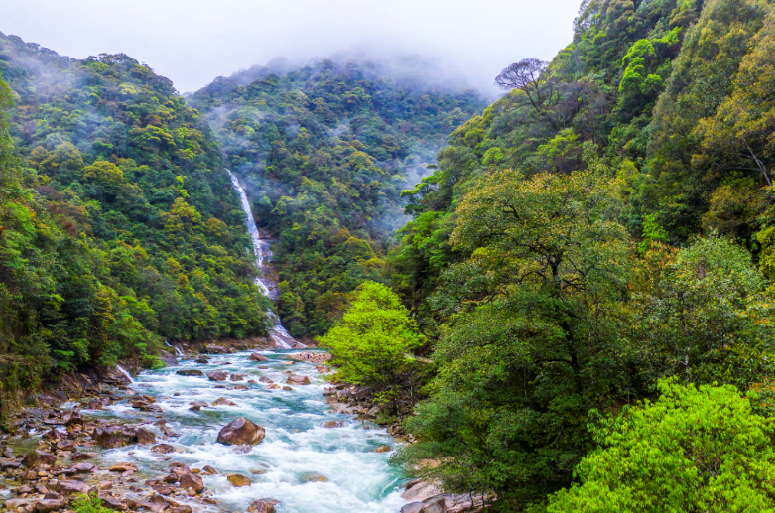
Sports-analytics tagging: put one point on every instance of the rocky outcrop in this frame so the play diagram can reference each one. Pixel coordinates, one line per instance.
(435, 505)
(241, 432)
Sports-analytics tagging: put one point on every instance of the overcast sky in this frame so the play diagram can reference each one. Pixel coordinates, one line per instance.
(194, 41)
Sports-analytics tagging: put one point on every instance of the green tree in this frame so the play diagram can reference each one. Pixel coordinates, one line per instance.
(533, 338)
(696, 449)
(372, 341)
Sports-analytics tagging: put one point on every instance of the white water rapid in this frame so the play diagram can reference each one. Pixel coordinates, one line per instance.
(309, 468)
(279, 334)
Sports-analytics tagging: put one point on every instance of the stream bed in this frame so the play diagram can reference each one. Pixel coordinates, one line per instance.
(308, 468)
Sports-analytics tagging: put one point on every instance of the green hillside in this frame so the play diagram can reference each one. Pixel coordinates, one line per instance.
(119, 225)
(326, 150)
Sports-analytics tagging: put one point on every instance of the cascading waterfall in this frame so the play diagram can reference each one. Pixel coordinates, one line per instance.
(279, 334)
(125, 373)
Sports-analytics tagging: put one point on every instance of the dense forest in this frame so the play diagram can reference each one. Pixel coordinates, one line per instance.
(326, 150)
(574, 286)
(119, 226)
(600, 236)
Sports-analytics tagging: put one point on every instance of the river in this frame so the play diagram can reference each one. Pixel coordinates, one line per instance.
(296, 448)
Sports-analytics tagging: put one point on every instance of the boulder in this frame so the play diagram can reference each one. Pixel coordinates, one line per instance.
(72, 418)
(241, 387)
(331, 424)
(217, 375)
(47, 505)
(13, 504)
(264, 379)
(74, 486)
(123, 466)
(202, 359)
(238, 480)
(287, 388)
(298, 380)
(80, 456)
(190, 372)
(145, 437)
(237, 377)
(384, 448)
(273, 387)
(419, 491)
(258, 357)
(434, 505)
(262, 506)
(222, 401)
(35, 458)
(113, 503)
(309, 477)
(9, 463)
(162, 449)
(241, 432)
(111, 437)
(83, 466)
(193, 482)
(207, 469)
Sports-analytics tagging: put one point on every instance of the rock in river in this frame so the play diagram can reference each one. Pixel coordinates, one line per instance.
(111, 437)
(262, 506)
(241, 432)
(238, 480)
(258, 357)
(298, 380)
(193, 482)
(217, 375)
(189, 372)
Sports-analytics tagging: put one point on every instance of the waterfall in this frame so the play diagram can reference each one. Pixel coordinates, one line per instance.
(125, 373)
(179, 351)
(277, 332)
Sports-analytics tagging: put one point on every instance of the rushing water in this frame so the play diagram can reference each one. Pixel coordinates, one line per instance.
(278, 333)
(296, 447)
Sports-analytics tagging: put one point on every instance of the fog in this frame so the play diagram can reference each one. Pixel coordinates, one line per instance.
(194, 41)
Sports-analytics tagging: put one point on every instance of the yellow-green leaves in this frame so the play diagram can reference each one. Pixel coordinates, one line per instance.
(694, 449)
(370, 343)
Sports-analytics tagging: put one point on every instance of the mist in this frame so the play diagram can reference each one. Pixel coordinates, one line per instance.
(195, 41)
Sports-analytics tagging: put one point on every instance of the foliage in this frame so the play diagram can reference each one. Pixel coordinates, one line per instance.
(325, 150)
(533, 340)
(694, 449)
(119, 225)
(373, 339)
(89, 504)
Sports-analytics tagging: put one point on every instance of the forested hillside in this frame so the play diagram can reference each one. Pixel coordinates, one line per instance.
(601, 235)
(326, 150)
(119, 225)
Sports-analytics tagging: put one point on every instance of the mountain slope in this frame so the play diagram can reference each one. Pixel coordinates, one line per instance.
(325, 150)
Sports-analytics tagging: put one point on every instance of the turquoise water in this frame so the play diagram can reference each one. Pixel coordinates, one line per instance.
(295, 447)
